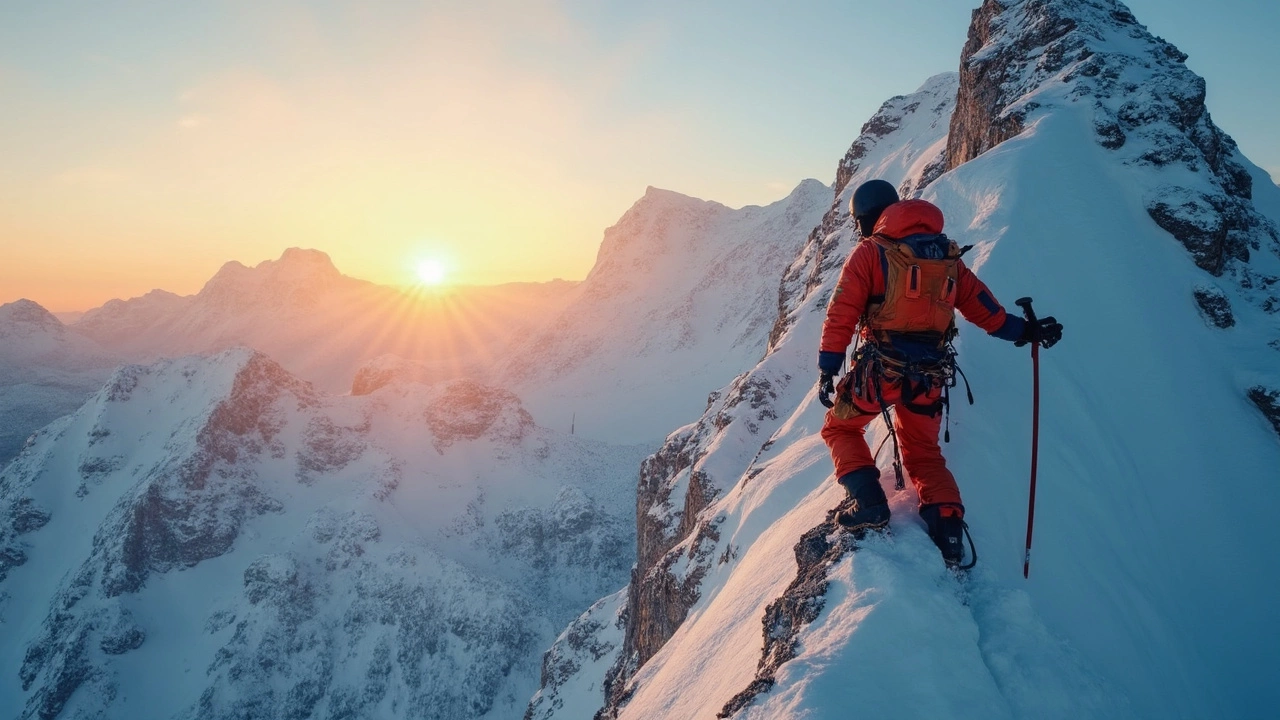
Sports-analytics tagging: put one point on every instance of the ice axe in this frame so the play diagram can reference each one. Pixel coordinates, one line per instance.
(1030, 315)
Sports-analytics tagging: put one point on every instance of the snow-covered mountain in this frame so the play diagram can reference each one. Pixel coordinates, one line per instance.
(45, 372)
(1083, 165)
(322, 325)
(680, 300)
(213, 538)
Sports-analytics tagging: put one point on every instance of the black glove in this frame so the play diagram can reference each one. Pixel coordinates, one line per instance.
(826, 388)
(1047, 331)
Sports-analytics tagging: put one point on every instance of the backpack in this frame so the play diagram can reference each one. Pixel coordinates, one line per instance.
(921, 279)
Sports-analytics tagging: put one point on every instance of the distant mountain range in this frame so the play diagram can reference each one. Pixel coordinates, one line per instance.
(352, 503)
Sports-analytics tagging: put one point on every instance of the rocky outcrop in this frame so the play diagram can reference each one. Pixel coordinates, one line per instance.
(390, 369)
(1268, 402)
(784, 619)
(593, 639)
(1147, 107)
(468, 410)
(413, 626)
(577, 549)
(1214, 306)
(676, 541)
(186, 509)
(983, 117)
(905, 125)
(191, 509)
(225, 490)
(1027, 56)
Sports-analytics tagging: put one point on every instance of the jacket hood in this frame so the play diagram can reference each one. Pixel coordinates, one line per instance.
(909, 217)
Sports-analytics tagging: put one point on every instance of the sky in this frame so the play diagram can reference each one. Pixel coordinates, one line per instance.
(144, 144)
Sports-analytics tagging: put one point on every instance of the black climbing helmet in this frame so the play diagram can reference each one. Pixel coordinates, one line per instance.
(869, 200)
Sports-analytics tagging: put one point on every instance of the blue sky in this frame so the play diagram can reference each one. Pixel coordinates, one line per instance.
(498, 137)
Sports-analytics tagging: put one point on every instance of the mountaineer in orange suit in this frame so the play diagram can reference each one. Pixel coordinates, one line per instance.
(898, 292)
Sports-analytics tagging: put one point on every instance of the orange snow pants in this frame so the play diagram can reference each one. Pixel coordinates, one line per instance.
(917, 438)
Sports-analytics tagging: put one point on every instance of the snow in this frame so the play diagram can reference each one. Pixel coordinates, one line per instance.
(212, 536)
(1121, 566)
(198, 511)
(681, 299)
(45, 372)
(1148, 593)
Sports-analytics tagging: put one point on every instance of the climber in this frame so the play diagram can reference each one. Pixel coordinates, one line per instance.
(898, 291)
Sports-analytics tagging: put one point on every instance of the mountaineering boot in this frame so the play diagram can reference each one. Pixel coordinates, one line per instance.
(870, 508)
(945, 522)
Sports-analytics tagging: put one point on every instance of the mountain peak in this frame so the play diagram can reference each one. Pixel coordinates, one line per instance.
(298, 273)
(809, 186)
(1025, 58)
(299, 266)
(29, 313)
(658, 198)
(1022, 56)
(306, 257)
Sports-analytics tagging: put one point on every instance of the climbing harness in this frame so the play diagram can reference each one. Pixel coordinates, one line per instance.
(872, 366)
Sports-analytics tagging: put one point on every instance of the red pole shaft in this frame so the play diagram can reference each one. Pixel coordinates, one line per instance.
(1035, 451)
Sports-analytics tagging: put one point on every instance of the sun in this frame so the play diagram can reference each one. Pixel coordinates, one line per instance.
(432, 272)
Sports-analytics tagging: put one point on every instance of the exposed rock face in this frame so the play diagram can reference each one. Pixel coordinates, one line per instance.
(675, 542)
(678, 541)
(1147, 106)
(384, 370)
(594, 639)
(192, 509)
(908, 128)
(1268, 401)
(468, 410)
(1214, 306)
(800, 605)
(228, 508)
(186, 509)
(980, 122)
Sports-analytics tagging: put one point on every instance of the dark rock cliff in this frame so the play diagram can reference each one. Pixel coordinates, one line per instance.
(1024, 57)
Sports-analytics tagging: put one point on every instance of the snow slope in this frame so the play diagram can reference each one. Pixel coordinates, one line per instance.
(1148, 594)
(680, 300)
(322, 325)
(45, 372)
(213, 538)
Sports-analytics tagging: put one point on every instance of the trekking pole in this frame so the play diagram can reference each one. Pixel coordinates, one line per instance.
(1030, 315)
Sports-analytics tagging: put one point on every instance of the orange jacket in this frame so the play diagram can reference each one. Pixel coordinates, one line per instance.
(863, 277)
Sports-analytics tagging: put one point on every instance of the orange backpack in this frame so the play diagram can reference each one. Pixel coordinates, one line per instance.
(919, 293)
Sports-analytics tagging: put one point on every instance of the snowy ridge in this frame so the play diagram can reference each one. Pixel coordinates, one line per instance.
(680, 300)
(679, 533)
(1128, 611)
(211, 537)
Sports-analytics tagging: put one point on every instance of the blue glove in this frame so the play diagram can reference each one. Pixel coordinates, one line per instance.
(830, 362)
